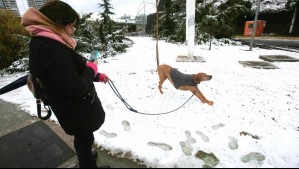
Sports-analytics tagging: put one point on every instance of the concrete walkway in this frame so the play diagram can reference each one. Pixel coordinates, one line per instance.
(13, 119)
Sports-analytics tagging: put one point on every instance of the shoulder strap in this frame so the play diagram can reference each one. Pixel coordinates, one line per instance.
(39, 111)
(35, 87)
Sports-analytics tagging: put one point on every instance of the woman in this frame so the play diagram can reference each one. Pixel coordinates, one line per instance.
(65, 76)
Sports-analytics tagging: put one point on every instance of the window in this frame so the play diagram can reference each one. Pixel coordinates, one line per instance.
(250, 26)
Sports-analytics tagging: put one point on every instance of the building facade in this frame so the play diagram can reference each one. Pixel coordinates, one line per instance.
(13, 6)
(37, 4)
(9, 5)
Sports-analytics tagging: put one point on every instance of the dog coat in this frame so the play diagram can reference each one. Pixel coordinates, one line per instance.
(179, 79)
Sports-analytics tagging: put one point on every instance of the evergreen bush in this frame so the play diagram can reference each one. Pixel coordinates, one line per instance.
(13, 39)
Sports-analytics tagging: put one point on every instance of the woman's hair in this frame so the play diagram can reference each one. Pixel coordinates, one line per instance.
(60, 12)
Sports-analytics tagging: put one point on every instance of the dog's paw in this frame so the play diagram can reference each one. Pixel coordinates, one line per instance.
(211, 103)
(160, 89)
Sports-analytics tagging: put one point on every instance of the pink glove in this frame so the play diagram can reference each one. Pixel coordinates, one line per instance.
(93, 66)
(103, 78)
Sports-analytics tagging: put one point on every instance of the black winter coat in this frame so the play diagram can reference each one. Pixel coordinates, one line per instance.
(68, 84)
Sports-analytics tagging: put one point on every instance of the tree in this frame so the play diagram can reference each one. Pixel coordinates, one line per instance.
(292, 4)
(86, 35)
(230, 12)
(102, 36)
(13, 39)
(179, 17)
(218, 22)
(117, 42)
(208, 22)
(212, 20)
(167, 25)
(105, 14)
(91, 36)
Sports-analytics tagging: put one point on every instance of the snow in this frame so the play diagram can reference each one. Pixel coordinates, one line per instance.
(273, 5)
(263, 104)
(265, 5)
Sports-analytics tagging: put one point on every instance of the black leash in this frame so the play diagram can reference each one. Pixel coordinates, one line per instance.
(111, 84)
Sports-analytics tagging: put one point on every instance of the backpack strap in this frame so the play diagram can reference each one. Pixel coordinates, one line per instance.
(39, 110)
(35, 87)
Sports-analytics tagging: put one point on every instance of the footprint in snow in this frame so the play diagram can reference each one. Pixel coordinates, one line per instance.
(163, 146)
(218, 126)
(190, 139)
(187, 148)
(109, 107)
(254, 157)
(126, 125)
(107, 135)
(233, 143)
(203, 136)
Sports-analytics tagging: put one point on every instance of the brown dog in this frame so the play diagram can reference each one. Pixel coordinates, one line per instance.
(183, 81)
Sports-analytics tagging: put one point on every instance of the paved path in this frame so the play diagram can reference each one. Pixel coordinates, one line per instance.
(290, 43)
(13, 119)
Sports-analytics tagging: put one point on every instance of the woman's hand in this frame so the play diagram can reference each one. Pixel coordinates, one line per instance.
(103, 78)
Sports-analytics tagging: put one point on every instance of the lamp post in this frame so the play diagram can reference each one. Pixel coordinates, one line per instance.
(190, 25)
(157, 33)
(144, 17)
(255, 24)
(293, 21)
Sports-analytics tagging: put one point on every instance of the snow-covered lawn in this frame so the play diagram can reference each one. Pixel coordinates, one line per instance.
(253, 123)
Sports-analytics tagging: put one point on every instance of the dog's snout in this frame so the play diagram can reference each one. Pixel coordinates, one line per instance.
(210, 77)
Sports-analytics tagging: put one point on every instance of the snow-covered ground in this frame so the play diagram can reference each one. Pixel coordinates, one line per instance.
(253, 123)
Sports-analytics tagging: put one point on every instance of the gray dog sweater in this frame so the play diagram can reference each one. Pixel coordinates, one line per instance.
(179, 79)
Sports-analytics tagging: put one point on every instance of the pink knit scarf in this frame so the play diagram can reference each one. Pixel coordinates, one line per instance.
(39, 25)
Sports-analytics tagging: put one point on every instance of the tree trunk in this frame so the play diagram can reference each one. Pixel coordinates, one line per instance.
(210, 42)
(157, 34)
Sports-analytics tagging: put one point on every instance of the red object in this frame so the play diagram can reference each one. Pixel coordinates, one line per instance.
(93, 66)
(261, 24)
(103, 78)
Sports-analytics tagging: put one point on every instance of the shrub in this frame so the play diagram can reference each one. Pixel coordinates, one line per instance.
(13, 39)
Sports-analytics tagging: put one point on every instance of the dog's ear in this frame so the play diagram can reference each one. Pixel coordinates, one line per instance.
(198, 77)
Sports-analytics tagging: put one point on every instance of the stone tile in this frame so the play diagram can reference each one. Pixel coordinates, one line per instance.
(258, 64)
(278, 58)
(193, 59)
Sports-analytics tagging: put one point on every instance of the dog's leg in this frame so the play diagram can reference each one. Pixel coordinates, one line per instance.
(160, 84)
(164, 73)
(162, 78)
(199, 95)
